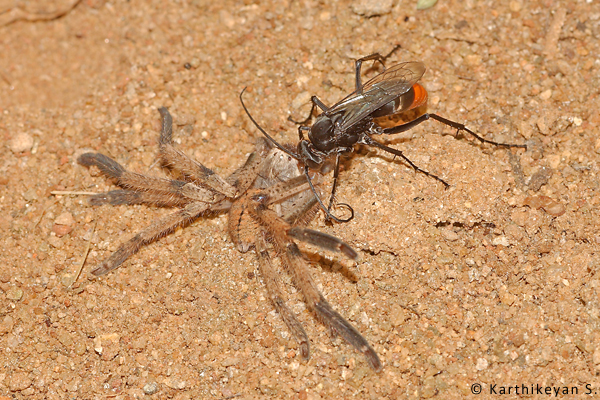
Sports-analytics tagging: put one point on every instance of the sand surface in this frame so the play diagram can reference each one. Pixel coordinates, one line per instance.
(494, 281)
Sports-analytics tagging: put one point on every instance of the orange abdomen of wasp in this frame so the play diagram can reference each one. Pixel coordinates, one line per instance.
(420, 98)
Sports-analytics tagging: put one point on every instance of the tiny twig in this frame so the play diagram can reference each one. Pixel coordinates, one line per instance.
(233, 396)
(67, 193)
(43, 213)
(409, 308)
(4, 76)
(85, 255)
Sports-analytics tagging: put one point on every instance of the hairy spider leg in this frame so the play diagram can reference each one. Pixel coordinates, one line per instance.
(278, 231)
(270, 278)
(192, 170)
(150, 190)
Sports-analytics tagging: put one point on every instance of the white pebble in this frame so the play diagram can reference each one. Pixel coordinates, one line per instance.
(65, 218)
(482, 364)
(22, 142)
(372, 8)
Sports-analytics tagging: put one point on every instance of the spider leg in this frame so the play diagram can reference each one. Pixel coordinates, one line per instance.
(277, 229)
(191, 169)
(140, 182)
(281, 191)
(303, 211)
(160, 228)
(270, 278)
(124, 196)
(286, 189)
(243, 229)
(243, 177)
(322, 240)
(325, 313)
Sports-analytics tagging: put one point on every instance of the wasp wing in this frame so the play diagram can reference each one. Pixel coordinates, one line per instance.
(377, 92)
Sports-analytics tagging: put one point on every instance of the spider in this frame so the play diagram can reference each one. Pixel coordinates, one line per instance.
(269, 203)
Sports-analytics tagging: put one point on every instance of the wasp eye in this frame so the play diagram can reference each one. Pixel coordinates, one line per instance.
(321, 134)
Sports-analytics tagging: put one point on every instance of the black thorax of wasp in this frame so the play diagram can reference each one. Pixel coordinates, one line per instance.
(354, 119)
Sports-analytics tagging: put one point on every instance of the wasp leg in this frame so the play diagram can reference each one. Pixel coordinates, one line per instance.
(336, 173)
(328, 214)
(370, 142)
(374, 56)
(315, 103)
(458, 126)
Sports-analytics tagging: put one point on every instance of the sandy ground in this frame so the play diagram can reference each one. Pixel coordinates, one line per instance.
(494, 281)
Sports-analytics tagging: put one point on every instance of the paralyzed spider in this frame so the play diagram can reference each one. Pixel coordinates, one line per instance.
(269, 202)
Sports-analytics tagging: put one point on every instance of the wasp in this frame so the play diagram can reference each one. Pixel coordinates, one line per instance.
(358, 116)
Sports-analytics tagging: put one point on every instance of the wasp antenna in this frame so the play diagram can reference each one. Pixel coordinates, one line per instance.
(396, 47)
(279, 146)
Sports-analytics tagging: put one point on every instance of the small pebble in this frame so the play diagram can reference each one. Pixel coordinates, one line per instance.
(546, 94)
(552, 207)
(301, 100)
(30, 195)
(65, 218)
(482, 364)
(540, 178)
(501, 241)
(63, 224)
(14, 293)
(195, 63)
(6, 325)
(425, 4)
(66, 279)
(506, 297)
(150, 388)
(80, 347)
(372, 8)
(515, 6)
(449, 234)
(98, 345)
(555, 209)
(228, 362)
(174, 383)
(596, 356)
(429, 388)
(397, 315)
(20, 143)
(19, 381)
(61, 230)
(185, 119)
(215, 339)
(55, 242)
(65, 338)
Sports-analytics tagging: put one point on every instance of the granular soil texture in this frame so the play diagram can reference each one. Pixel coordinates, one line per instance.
(492, 282)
